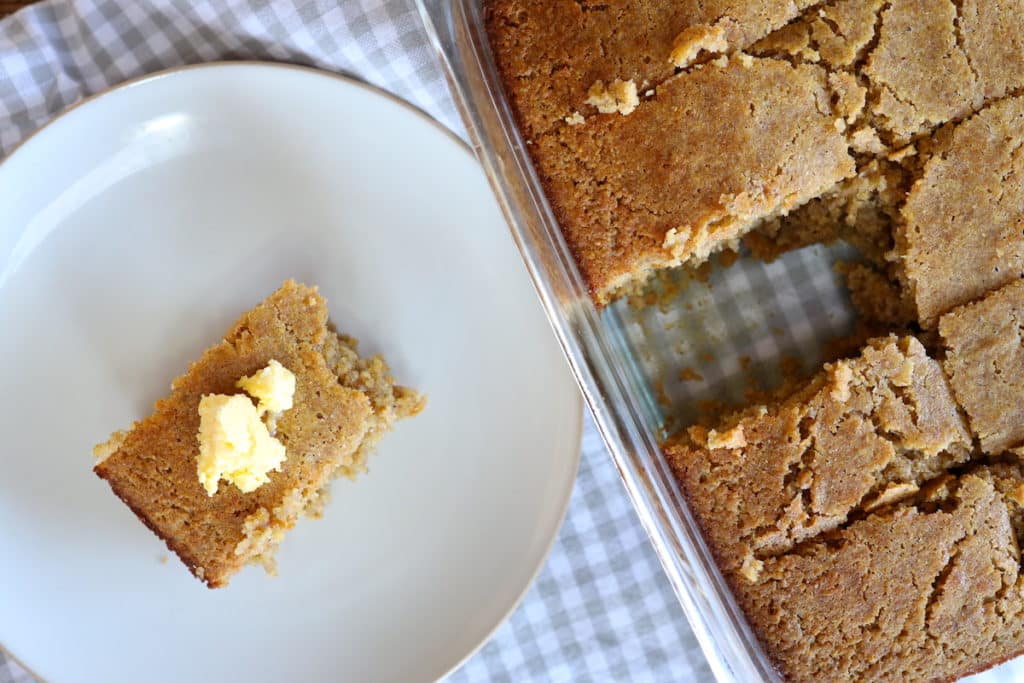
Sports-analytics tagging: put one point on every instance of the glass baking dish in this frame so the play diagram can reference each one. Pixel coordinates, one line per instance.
(644, 369)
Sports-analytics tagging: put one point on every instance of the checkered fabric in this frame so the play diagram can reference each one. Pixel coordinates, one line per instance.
(10, 672)
(601, 608)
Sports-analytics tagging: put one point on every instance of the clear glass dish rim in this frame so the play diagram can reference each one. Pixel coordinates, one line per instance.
(599, 358)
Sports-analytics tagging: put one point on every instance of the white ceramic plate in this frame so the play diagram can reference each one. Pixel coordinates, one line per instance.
(133, 230)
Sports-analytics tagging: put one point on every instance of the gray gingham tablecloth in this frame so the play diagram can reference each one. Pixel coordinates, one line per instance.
(601, 609)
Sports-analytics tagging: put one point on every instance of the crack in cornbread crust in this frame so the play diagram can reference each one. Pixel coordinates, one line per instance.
(646, 190)
(961, 229)
(984, 344)
(924, 590)
(918, 76)
(553, 51)
(152, 466)
(923, 62)
(862, 433)
(946, 220)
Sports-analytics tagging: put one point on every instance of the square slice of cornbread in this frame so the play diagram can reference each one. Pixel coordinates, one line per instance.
(342, 405)
(961, 230)
(713, 153)
(985, 363)
(551, 53)
(864, 432)
(928, 589)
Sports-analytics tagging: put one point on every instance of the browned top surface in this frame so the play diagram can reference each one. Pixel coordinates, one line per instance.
(154, 469)
(839, 582)
(927, 590)
(985, 363)
(713, 150)
(871, 427)
(553, 51)
(923, 63)
(961, 232)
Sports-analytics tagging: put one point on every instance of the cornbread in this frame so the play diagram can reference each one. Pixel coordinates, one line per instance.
(777, 146)
(985, 363)
(869, 521)
(860, 210)
(836, 35)
(925, 62)
(858, 537)
(554, 51)
(961, 230)
(900, 70)
(928, 589)
(860, 433)
(342, 405)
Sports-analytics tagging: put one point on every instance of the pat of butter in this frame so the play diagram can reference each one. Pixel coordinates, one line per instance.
(273, 387)
(234, 443)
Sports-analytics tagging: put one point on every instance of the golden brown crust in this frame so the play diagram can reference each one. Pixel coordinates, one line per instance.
(153, 466)
(835, 447)
(924, 62)
(646, 190)
(885, 567)
(925, 590)
(553, 51)
(985, 364)
(859, 536)
(960, 234)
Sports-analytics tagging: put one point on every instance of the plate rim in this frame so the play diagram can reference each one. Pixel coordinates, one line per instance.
(576, 433)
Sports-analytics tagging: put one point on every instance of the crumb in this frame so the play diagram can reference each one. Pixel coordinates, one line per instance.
(696, 39)
(751, 569)
(891, 494)
(905, 375)
(162, 559)
(678, 240)
(866, 141)
(698, 434)
(745, 362)
(642, 301)
(842, 375)
(575, 119)
(1017, 494)
(731, 439)
(661, 395)
(620, 96)
(903, 153)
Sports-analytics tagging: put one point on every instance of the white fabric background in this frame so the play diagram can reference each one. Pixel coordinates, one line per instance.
(601, 608)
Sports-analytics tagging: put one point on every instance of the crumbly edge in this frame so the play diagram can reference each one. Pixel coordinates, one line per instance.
(636, 281)
(264, 530)
(910, 466)
(905, 153)
(941, 494)
(112, 445)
